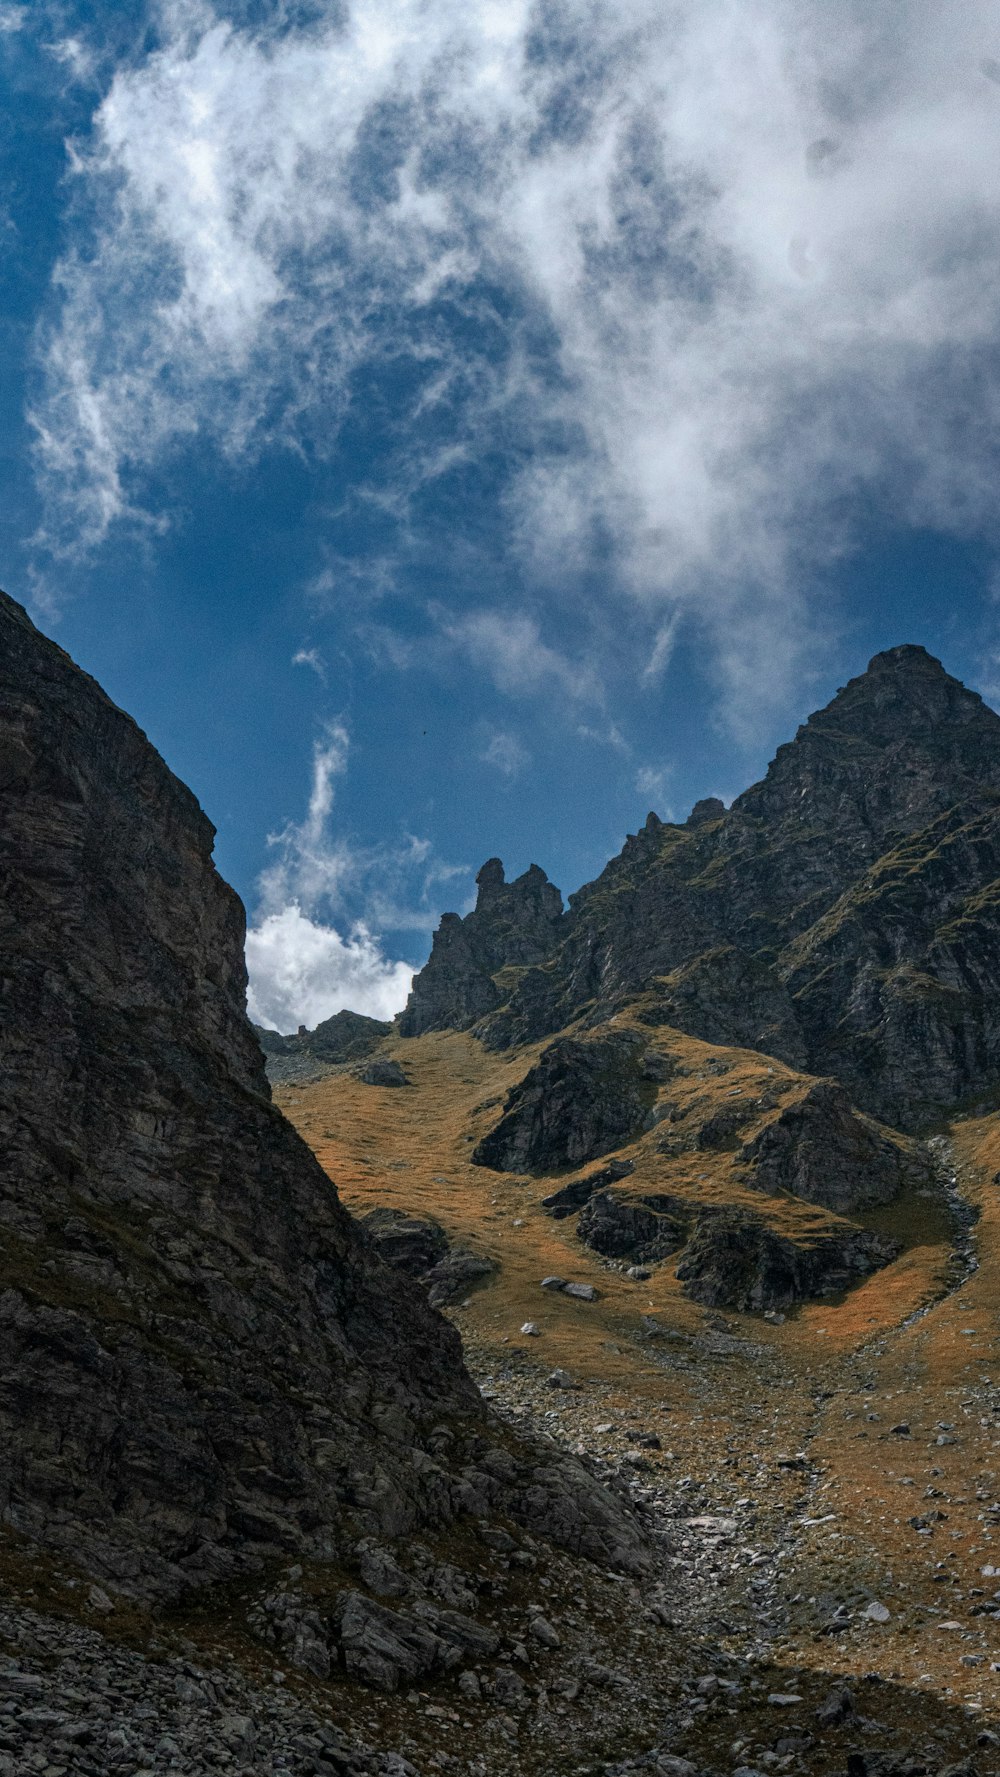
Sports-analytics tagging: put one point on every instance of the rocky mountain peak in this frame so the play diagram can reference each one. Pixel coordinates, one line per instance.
(903, 690)
(840, 914)
(528, 895)
(898, 743)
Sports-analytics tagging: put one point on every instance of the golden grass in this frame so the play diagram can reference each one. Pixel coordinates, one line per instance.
(725, 1419)
(410, 1148)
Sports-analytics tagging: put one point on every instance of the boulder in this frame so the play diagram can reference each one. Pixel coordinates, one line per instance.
(380, 1071)
(454, 1275)
(419, 1246)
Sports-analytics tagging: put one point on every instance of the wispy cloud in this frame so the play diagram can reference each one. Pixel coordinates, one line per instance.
(509, 647)
(506, 753)
(310, 951)
(605, 734)
(313, 659)
(653, 782)
(747, 259)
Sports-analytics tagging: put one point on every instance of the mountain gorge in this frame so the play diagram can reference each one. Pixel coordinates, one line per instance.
(518, 1389)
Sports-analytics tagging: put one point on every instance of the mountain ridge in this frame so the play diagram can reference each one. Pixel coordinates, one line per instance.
(717, 913)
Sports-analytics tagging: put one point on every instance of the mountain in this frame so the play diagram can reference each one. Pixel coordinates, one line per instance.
(841, 915)
(260, 1506)
(704, 1167)
(346, 1037)
(206, 1371)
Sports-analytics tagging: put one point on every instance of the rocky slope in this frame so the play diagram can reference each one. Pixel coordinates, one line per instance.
(806, 1402)
(204, 1366)
(346, 1037)
(841, 915)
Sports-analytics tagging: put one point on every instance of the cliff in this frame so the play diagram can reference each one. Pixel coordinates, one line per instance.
(203, 1363)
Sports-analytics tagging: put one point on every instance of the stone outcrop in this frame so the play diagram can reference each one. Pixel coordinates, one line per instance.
(411, 1243)
(419, 1246)
(644, 1229)
(345, 1036)
(513, 924)
(579, 1101)
(735, 1260)
(841, 914)
(728, 1255)
(819, 1148)
(203, 1365)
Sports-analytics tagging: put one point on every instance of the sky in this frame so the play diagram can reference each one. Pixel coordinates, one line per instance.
(453, 428)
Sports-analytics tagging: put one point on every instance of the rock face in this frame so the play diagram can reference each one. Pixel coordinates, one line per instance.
(344, 1037)
(841, 915)
(202, 1364)
(821, 1150)
(513, 924)
(580, 1101)
(734, 1260)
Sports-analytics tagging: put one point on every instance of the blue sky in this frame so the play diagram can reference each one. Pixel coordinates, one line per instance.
(456, 428)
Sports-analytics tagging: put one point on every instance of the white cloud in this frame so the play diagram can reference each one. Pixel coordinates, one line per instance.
(511, 650)
(301, 966)
(652, 782)
(762, 237)
(313, 659)
(508, 754)
(302, 971)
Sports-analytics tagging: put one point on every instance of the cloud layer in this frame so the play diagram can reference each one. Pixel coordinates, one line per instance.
(742, 259)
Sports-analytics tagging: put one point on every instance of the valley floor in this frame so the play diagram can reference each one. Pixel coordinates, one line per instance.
(822, 1494)
(829, 1485)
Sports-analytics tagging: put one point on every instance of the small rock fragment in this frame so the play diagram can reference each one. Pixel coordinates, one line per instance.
(543, 1631)
(876, 1613)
